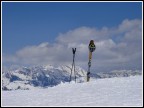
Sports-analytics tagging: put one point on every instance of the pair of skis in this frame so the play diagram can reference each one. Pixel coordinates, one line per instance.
(92, 48)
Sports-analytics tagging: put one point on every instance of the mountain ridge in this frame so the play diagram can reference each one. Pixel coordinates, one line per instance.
(47, 76)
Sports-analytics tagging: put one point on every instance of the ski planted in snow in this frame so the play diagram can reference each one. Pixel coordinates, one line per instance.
(92, 48)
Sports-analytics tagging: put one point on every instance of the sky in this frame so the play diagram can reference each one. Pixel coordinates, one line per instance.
(41, 33)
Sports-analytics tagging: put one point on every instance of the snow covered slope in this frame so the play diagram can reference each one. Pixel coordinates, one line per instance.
(122, 91)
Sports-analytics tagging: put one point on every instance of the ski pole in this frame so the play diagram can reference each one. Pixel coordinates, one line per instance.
(73, 64)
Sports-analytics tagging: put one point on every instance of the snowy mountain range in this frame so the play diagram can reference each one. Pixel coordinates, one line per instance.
(47, 76)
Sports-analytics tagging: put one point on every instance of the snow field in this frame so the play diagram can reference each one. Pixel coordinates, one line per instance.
(124, 91)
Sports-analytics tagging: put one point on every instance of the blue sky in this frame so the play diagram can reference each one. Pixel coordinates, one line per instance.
(29, 24)
(32, 23)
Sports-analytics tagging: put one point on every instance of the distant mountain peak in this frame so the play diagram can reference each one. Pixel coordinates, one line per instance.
(48, 75)
(39, 76)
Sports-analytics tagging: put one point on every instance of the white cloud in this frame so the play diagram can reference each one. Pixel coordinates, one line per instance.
(128, 25)
(110, 54)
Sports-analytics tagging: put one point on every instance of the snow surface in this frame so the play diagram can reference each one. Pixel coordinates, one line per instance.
(122, 91)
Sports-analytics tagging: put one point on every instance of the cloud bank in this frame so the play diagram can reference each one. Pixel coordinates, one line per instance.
(116, 48)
